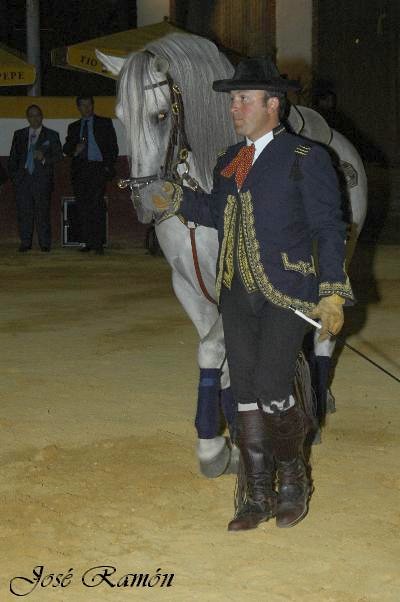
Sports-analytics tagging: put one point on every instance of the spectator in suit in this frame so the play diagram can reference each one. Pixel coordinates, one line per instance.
(92, 144)
(34, 151)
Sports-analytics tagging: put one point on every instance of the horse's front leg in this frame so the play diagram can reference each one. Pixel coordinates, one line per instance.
(213, 451)
(215, 395)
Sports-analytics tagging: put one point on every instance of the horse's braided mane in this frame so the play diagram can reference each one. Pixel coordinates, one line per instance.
(194, 63)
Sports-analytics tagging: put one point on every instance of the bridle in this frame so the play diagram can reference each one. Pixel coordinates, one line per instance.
(177, 155)
(178, 148)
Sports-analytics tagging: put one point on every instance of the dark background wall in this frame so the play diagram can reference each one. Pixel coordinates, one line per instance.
(246, 27)
(356, 56)
(64, 22)
(356, 52)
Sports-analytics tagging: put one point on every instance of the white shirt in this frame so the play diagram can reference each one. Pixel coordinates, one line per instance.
(260, 143)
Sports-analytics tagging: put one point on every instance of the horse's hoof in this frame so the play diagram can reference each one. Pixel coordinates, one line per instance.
(317, 438)
(330, 403)
(233, 466)
(217, 465)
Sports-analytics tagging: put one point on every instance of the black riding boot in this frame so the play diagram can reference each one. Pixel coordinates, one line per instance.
(287, 432)
(260, 499)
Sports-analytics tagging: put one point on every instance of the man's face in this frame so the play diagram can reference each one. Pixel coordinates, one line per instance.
(252, 117)
(86, 107)
(34, 117)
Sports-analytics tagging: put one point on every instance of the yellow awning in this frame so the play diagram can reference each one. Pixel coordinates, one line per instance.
(14, 71)
(82, 56)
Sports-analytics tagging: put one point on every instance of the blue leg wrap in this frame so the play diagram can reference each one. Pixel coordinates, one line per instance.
(229, 409)
(208, 416)
(320, 366)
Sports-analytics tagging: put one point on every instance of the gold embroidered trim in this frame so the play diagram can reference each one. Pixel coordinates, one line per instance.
(221, 153)
(176, 198)
(343, 289)
(253, 254)
(243, 262)
(279, 130)
(304, 267)
(229, 214)
(229, 267)
(302, 149)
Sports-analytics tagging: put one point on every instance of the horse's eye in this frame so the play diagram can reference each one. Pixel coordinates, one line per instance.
(162, 115)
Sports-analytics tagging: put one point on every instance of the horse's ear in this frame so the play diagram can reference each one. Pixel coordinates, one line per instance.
(160, 64)
(113, 64)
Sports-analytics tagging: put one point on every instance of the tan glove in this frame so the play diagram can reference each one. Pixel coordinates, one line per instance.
(330, 311)
(161, 196)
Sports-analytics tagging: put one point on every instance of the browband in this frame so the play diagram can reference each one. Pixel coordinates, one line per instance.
(156, 85)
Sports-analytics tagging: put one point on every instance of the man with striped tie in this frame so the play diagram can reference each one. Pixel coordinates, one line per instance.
(274, 195)
(34, 151)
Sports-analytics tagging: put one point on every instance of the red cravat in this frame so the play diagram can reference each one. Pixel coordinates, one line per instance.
(240, 165)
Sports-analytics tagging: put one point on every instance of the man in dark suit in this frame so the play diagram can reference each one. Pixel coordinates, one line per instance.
(92, 144)
(34, 151)
(274, 195)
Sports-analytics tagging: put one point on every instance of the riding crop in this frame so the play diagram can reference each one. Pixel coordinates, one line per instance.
(317, 325)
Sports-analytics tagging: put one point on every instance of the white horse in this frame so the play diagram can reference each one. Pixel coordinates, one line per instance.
(172, 75)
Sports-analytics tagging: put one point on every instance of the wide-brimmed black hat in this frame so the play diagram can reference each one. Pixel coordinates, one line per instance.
(256, 74)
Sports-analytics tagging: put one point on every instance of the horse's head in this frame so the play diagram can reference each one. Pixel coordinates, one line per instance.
(165, 97)
(144, 108)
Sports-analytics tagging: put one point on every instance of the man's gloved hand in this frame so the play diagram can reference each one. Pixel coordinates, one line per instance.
(330, 311)
(161, 196)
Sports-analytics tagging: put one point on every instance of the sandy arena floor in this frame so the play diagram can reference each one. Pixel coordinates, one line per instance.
(97, 456)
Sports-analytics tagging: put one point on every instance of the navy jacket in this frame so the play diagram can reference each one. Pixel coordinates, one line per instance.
(289, 201)
(50, 145)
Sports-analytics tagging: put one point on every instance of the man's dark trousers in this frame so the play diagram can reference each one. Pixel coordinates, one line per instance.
(33, 198)
(262, 345)
(89, 184)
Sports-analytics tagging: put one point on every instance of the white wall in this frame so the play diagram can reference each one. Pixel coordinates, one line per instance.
(151, 11)
(294, 38)
(8, 127)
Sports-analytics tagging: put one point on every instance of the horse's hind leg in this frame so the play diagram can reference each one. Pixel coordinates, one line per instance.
(320, 364)
(319, 356)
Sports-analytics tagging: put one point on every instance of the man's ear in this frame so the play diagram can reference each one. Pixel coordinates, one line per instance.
(273, 104)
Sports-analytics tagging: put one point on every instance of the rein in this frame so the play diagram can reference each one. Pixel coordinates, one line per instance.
(177, 154)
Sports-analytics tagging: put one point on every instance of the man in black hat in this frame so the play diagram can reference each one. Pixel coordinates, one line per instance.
(274, 194)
